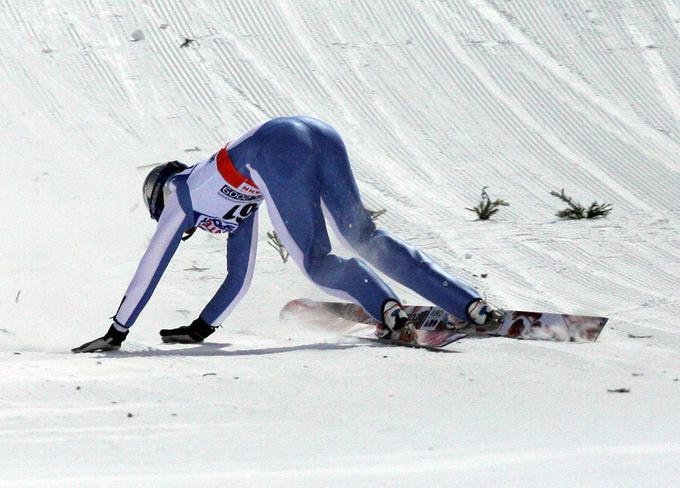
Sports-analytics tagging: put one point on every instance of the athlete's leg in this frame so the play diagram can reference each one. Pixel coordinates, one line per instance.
(285, 168)
(397, 259)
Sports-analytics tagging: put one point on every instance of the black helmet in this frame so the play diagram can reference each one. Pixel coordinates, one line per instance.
(155, 182)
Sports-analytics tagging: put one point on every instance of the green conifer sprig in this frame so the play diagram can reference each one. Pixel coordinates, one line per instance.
(486, 208)
(374, 214)
(276, 243)
(577, 211)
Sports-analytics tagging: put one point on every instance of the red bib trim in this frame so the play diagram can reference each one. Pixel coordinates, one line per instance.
(229, 172)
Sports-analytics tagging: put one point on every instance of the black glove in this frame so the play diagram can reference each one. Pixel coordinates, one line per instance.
(111, 341)
(191, 334)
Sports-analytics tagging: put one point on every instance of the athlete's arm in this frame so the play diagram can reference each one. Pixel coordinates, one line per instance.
(241, 254)
(177, 216)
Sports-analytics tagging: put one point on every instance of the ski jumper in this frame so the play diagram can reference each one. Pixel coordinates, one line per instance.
(300, 168)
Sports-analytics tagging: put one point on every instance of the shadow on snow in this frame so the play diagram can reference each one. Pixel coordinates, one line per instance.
(215, 349)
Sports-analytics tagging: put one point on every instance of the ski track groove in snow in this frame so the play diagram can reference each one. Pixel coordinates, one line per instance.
(566, 76)
(436, 47)
(612, 146)
(599, 145)
(276, 37)
(353, 93)
(658, 70)
(673, 11)
(184, 74)
(560, 130)
(506, 111)
(413, 23)
(631, 80)
(175, 14)
(91, 63)
(636, 78)
(262, 95)
(653, 106)
(401, 108)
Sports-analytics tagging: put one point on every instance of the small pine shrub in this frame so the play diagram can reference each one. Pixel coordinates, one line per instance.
(276, 243)
(486, 208)
(576, 211)
(374, 214)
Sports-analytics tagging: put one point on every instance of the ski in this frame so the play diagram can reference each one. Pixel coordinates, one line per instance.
(351, 320)
(437, 328)
(433, 340)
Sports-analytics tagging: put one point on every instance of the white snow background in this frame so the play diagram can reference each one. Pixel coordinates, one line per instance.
(435, 99)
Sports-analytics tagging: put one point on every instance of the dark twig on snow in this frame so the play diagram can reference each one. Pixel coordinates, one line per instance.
(187, 42)
(276, 243)
(196, 268)
(145, 166)
(486, 208)
(577, 211)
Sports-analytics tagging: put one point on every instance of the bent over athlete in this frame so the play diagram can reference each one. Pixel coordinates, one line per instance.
(300, 167)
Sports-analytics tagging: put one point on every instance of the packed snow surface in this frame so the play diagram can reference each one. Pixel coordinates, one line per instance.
(435, 99)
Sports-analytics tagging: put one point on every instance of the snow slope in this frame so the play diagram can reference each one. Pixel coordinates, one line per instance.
(435, 99)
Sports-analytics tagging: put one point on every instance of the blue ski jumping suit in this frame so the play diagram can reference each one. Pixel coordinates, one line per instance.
(300, 168)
